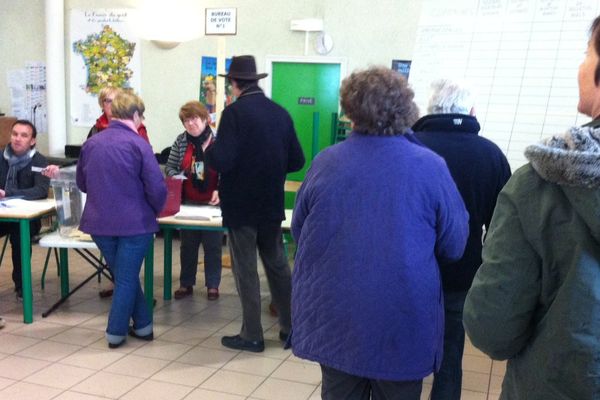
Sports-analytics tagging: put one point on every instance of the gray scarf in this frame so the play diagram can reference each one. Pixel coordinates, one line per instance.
(571, 159)
(15, 164)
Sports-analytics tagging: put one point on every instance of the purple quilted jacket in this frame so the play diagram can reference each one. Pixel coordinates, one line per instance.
(373, 218)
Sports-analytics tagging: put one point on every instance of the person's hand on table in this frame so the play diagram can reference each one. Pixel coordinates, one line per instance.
(214, 199)
(51, 171)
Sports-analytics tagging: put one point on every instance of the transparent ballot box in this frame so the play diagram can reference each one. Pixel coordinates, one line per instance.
(69, 201)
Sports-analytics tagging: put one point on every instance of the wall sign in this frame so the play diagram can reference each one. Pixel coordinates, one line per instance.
(306, 101)
(221, 21)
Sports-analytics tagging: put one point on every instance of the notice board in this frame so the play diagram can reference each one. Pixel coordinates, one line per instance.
(520, 56)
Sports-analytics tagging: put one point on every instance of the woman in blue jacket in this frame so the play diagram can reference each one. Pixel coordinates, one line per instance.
(374, 217)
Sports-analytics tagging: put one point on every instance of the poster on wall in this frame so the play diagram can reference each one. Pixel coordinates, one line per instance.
(208, 84)
(104, 52)
(402, 66)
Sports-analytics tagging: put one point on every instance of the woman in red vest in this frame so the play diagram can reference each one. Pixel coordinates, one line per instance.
(200, 187)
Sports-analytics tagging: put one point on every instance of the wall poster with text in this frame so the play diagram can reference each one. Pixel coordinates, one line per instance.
(104, 52)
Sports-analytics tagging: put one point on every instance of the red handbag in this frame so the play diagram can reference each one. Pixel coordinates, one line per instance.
(173, 202)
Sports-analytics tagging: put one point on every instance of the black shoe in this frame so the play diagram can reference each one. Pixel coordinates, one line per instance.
(286, 339)
(19, 293)
(236, 342)
(115, 345)
(147, 337)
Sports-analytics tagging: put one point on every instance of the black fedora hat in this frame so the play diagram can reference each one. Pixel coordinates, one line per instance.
(243, 67)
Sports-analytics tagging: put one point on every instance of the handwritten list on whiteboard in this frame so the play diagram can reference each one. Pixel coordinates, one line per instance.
(520, 56)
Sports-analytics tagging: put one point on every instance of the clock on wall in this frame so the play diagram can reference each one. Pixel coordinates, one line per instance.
(324, 43)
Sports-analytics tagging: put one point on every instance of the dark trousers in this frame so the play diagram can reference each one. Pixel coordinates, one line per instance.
(338, 385)
(243, 244)
(12, 229)
(447, 381)
(212, 243)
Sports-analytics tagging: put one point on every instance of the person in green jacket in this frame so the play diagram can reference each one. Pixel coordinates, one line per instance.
(536, 297)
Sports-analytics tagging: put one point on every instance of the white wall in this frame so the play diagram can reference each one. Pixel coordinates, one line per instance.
(366, 33)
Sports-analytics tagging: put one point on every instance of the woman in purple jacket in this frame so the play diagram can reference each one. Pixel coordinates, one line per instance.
(125, 192)
(373, 218)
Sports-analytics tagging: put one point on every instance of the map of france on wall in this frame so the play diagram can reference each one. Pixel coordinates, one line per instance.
(104, 52)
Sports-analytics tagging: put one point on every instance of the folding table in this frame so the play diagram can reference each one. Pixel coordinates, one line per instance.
(83, 248)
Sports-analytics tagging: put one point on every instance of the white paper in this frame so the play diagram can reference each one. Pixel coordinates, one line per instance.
(199, 213)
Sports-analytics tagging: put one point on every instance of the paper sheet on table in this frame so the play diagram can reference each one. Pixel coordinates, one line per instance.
(201, 213)
(22, 205)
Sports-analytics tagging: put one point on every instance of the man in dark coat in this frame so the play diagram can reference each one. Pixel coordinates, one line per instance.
(18, 180)
(480, 171)
(256, 147)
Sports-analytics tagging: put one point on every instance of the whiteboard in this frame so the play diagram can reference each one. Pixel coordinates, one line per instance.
(520, 56)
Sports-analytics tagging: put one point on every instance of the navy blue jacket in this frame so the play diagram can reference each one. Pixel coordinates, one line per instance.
(480, 171)
(256, 147)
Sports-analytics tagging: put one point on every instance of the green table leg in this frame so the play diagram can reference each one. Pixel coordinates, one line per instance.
(64, 272)
(149, 277)
(168, 254)
(26, 271)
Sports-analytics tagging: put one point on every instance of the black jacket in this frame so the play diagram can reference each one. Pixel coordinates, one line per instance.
(480, 171)
(32, 185)
(256, 147)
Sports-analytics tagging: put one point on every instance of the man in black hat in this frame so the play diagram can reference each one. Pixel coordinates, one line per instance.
(256, 147)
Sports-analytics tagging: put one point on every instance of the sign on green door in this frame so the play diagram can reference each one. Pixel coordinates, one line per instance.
(303, 89)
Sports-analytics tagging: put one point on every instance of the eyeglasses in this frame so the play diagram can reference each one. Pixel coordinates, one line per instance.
(107, 101)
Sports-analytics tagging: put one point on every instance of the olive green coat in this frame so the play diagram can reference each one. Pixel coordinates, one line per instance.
(535, 301)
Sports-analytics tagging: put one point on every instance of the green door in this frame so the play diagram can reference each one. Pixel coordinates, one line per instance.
(303, 89)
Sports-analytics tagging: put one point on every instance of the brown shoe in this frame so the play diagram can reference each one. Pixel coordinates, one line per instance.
(213, 294)
(183, 292)
(104, 293)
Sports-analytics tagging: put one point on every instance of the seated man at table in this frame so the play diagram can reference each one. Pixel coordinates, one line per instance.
(18, 180)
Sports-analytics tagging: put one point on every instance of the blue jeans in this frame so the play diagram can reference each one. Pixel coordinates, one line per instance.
(447, 381)
(125, 254)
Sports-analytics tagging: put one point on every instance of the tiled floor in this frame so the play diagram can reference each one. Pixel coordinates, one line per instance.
(65, 356)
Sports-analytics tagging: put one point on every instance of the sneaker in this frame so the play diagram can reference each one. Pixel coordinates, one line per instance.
(147, 337)
(116, 345)
(237, 343)
(2, 323)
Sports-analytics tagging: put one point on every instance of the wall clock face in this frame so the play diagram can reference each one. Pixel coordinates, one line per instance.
(324, 43)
